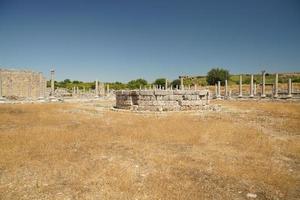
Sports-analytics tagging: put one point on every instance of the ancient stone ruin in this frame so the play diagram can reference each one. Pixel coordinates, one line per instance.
(21, 84)
(254, 93)
(162, 100)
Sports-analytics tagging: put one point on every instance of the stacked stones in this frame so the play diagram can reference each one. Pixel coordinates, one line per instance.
(161, 100)
(22, 84)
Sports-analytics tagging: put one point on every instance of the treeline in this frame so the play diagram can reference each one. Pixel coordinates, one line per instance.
(212, 77)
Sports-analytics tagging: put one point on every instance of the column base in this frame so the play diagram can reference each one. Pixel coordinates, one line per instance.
(263, 96)
(52, 98)
(218, 97)
(2, 100)
(251, 96)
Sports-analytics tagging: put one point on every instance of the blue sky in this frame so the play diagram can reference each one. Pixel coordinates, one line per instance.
(120, 40)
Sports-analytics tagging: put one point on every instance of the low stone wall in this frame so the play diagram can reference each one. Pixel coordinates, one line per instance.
(162, 100)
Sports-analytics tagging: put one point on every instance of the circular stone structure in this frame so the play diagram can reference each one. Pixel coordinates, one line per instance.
(162, 100)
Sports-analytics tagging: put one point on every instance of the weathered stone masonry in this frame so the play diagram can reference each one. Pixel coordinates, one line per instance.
(162, 100)
(22, 84)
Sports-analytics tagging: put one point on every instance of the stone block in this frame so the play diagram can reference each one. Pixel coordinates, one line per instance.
(179, 92)
(163, 92)
(146, 92)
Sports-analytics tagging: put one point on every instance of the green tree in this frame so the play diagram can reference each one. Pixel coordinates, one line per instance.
(67, 81)
(175, 82)
(160, 81)
(135, 84)
(217, 74)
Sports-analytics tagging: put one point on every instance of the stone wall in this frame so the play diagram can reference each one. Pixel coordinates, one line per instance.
(22, 84)
(162, 100)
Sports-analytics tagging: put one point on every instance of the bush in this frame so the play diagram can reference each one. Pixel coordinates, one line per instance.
(217, 74)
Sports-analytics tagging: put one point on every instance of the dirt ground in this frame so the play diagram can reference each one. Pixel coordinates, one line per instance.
(248, 150)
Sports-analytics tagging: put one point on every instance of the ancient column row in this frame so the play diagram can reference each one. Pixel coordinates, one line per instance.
(253, 87)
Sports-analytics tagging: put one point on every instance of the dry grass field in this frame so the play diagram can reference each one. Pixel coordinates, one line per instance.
(85, 151)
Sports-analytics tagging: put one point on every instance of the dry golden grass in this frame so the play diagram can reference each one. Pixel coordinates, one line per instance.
(69, 151)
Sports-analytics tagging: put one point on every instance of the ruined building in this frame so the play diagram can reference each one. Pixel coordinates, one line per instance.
(22, 84)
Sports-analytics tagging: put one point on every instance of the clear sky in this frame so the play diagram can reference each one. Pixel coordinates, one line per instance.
(120, 40)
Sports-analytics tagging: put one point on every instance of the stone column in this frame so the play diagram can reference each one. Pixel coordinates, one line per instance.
(166, 84)
(52, 82)
(96, 88)
(276, 86)
(219, 90)
(226, 89)
(207, 97)
(181, 83)
(107, 88)
(263, 88)
(254, 89)
(241, 86)
(216, 90)
(251, 86)
(290, 88)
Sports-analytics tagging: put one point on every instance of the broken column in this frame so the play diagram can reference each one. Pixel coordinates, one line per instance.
(216, 90)
(52, 82)
(263, 87)
(276, 86)
(290, 88)
(181, 83)
(241, 87)
(107, 88)
(219, 90)
(166, 84)
(251, 86)
(226, 89)
(96, 89)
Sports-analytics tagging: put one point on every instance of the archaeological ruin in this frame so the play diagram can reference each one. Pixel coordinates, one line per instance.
(162, 100)
(19, 84)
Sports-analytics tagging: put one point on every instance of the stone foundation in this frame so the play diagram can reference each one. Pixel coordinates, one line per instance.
(162, 100)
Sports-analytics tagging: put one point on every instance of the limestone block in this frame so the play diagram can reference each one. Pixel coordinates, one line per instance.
(179, 92)
(146, 92)
(147, 98)
(163, 92)
(122, 92)
(190, 103)
(190, 97)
